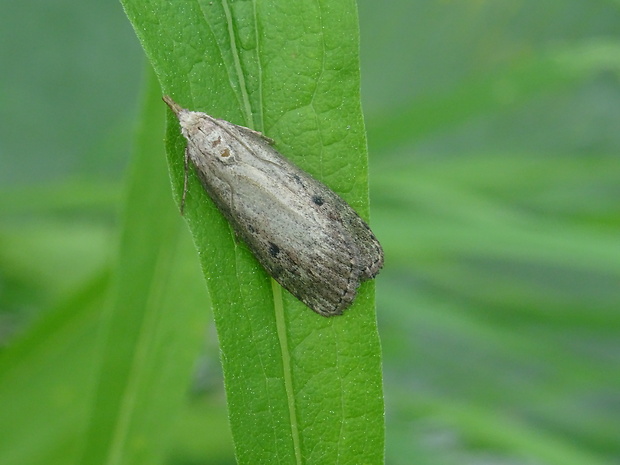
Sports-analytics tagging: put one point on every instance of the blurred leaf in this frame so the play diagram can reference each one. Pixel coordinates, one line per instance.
(44, 376)
(495, 184)
(155, 323)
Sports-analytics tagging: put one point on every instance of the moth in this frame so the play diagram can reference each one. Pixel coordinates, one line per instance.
(307, 237)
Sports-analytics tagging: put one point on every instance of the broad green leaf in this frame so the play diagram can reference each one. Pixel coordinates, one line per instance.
(301, 388)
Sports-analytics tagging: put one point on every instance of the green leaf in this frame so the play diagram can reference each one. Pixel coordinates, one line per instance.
(301, 388)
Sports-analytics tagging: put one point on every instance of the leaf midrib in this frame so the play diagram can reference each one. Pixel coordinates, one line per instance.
(276, 288)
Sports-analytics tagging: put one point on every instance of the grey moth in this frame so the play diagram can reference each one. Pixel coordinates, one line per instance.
(306, 236)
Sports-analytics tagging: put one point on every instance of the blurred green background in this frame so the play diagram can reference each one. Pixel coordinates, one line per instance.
(495, 184)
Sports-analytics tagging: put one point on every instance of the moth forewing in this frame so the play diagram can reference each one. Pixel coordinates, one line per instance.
(306, 236)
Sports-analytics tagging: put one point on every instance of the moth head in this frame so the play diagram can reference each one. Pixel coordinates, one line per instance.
(191, 123)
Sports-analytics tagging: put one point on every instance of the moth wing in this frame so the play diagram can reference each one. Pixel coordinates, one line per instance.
(330, 205)
(309, 254)
(307, 237)
(320, 268)
(370, 259)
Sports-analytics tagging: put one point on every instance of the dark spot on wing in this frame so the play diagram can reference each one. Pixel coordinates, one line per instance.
(317, 199)
(274, 250)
